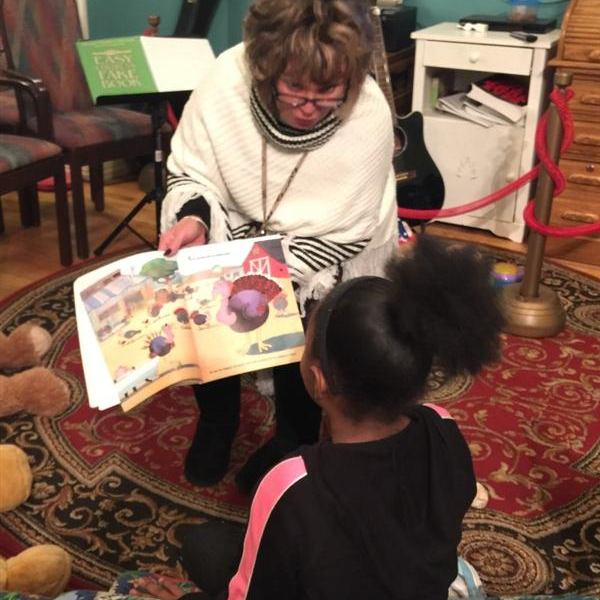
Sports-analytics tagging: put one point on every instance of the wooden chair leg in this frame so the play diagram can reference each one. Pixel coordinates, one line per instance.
(24, 207)
(29, 206)
(62, 217)
(97, 185)
(35, 206)
(81, 237)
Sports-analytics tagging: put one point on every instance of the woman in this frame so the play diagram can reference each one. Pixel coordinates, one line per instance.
(288, 135)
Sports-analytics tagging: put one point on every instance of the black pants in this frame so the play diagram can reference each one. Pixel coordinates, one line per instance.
(297, 417)
(211, 554)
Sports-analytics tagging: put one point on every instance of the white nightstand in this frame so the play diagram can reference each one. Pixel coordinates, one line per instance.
(474, 160)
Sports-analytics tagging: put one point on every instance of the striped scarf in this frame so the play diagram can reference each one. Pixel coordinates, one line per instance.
(285, 136)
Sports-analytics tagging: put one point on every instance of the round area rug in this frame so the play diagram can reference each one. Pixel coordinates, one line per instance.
(109, 486)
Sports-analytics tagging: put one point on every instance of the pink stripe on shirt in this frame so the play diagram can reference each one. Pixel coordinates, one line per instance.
(439, 410)
(274, 484)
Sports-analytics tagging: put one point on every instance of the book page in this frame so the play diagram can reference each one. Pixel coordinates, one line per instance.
(100, 389)
(241, 306)
(177, 64)
(146, 322)
(126, 333)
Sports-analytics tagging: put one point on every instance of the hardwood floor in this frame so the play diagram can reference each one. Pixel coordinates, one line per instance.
(27, 255)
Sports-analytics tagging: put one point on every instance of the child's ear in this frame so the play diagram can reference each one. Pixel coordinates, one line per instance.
(320, 387)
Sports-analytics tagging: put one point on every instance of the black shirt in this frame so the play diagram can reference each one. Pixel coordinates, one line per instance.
(368, 520)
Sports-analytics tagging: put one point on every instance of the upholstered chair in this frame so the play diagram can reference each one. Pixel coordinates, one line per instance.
(39, 38)
(25, 160)
(9, 111)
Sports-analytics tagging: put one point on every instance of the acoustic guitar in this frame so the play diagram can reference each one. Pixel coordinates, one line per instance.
(419, 183)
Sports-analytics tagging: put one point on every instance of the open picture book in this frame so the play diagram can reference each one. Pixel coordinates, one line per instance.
(146, 322)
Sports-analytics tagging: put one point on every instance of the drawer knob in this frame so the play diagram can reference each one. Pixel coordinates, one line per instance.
(595, 55)
(587, 140)
(592, 99)
(579, 217)
(474, 57)
(584, 180)
(590, 167)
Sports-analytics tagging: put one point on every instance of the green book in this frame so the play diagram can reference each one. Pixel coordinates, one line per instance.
(143, 64)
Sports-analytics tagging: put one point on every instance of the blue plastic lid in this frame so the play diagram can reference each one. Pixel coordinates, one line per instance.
(525, 2)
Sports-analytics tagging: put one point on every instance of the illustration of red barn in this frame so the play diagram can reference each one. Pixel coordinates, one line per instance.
(267, 259)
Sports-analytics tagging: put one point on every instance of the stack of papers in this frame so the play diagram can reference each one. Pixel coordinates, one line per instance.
(462, 106)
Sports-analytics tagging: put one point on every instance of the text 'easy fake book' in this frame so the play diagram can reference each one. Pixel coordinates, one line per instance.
(143, 64)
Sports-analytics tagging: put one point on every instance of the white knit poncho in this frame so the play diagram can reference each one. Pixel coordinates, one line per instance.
(337, 217)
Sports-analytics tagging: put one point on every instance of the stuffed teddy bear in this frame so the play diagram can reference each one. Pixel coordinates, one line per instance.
(37, 390)
(45, 569)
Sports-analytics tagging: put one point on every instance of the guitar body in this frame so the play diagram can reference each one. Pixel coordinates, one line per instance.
(419, 183)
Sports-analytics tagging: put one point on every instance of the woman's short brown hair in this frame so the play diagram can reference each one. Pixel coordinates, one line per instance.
(323, 39)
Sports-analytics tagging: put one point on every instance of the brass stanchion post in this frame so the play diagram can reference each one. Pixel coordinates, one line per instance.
(530, 308)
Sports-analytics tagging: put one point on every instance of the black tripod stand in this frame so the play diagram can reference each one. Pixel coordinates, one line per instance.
(156, 195)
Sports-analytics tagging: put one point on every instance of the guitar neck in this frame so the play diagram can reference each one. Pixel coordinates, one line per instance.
(379, 60)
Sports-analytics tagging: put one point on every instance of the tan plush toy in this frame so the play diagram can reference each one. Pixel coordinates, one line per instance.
(45, 569)
(37, 390)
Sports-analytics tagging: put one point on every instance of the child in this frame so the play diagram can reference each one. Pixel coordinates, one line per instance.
(376, 510)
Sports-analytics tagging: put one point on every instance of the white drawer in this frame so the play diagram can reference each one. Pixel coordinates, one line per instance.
(478, 57)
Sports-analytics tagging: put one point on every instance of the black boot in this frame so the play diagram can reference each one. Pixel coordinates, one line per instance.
(297, 420)
(208, 457)
(261, 461)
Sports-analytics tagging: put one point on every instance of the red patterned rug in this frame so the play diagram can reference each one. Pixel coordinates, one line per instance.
(109, 487)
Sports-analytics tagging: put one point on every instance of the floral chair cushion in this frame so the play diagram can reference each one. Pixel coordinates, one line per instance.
(18, 151)
(78, 128)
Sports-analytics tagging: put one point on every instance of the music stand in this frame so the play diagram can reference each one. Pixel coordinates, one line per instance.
(156, 102)
(143, 69)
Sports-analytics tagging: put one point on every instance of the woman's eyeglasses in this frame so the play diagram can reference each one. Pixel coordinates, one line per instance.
(298, 101)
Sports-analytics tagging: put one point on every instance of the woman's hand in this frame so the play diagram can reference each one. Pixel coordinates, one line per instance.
(190, 231)
(158, 587)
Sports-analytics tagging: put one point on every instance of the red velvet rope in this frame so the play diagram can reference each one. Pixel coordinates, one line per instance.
(413, 213)
(560, 101)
